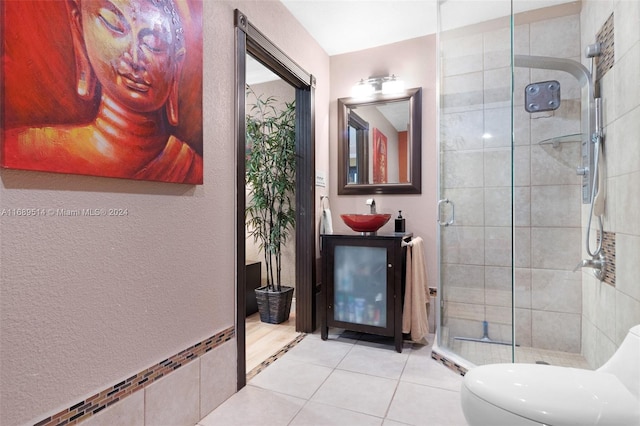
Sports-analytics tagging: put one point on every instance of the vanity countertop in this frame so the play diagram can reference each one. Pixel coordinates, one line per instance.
(377, 235)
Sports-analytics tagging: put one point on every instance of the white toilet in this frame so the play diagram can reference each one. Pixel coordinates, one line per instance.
(533, 394)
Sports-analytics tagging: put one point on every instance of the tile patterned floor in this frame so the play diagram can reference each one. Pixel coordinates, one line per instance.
(351, 379)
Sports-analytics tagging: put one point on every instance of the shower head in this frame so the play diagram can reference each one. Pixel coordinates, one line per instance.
(593, 50)
(543, 96)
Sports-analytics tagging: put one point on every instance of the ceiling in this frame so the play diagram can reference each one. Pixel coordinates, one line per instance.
(342, 26)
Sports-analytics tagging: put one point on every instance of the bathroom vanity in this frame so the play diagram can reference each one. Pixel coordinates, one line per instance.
(363, 281)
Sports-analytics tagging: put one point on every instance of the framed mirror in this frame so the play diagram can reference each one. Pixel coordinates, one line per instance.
(380, 144)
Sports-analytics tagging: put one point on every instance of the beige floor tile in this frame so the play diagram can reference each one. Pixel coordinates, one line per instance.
(314, 350)
(428, 372)
(424, 405)
(313, 414)
(358, 392)
(292, 378)
(380, 362)
(253, 406)
(338, 382)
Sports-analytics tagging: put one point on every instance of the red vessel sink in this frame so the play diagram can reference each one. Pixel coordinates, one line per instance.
(365, 222)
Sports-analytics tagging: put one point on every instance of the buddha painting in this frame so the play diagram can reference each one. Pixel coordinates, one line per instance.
(379, 156)
(103, 87)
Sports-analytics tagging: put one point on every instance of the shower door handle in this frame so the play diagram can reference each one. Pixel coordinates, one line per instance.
(453, 212)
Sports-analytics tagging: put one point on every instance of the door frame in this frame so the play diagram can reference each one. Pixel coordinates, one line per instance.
(249, 40)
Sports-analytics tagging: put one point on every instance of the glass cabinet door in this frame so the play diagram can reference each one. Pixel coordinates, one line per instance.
(360, 285)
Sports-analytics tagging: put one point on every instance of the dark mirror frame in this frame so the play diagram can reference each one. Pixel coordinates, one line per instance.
(414, 96)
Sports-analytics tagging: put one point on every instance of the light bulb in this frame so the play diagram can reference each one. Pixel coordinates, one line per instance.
(362, 90)
(393, 85)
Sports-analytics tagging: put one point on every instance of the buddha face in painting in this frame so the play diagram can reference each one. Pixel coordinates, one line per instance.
(135, 48)
(128, 57)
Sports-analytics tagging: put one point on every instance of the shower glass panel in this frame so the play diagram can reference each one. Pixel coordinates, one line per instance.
(507, 287)
(548, 190)
(476, 164)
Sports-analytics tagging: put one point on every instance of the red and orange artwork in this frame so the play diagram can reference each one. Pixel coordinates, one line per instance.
(103, 87)
(379, 157)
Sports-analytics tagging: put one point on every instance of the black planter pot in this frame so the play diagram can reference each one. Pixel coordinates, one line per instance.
(274, 306)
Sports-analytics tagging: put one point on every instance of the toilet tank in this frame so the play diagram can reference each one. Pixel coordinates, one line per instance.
(625, 362)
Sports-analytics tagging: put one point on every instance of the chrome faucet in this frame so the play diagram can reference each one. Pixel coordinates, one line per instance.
(372, 204)
(598, 264)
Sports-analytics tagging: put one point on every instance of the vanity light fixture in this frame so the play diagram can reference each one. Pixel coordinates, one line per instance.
(392, 85)
(363, 89)
(387, 85)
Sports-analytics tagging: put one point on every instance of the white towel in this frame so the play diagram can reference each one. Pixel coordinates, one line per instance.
(326, 225)
(416, 297)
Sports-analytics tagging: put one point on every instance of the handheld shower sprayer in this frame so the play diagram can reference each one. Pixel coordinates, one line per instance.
(593, 51)
(597, 261)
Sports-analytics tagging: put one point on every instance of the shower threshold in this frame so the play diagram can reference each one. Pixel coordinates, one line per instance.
(485, 337)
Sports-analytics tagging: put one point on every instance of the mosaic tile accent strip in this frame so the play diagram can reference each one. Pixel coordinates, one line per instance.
(98, 402)
(456, 368)
(609, 250)
(273, 358)
(605, 37)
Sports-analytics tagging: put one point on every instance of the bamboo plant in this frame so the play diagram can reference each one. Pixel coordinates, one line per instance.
(270, 178)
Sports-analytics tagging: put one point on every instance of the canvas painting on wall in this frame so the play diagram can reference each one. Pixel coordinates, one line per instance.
(103, 87)
(379, 157)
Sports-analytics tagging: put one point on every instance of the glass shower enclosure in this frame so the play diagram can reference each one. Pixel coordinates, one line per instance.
(510, 209)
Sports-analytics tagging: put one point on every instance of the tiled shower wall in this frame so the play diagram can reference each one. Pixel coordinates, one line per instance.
(607, 311)
(476, 176)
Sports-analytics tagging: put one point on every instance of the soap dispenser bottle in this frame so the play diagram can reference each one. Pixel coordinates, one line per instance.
(399, 222)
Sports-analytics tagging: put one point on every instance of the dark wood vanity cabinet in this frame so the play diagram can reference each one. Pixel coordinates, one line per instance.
(362, 284)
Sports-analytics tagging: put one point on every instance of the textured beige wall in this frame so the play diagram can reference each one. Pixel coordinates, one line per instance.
(88, 301)
(415, 62)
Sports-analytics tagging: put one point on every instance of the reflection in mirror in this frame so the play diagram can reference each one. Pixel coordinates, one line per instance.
(358, 149)
(380, 144)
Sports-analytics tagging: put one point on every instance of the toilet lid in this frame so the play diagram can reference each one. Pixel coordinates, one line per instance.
(554, 395)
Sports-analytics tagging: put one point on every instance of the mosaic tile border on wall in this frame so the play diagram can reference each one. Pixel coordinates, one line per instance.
(458, 369)
(609, 250)
(606, 39)
(98, 402)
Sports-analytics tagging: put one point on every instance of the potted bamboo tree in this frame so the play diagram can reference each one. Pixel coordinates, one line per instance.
(270, 213)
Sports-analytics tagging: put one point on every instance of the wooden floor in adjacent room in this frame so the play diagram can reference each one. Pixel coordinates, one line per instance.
(264, 340)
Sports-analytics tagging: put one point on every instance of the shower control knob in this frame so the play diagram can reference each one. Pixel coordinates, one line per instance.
(582, 171)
